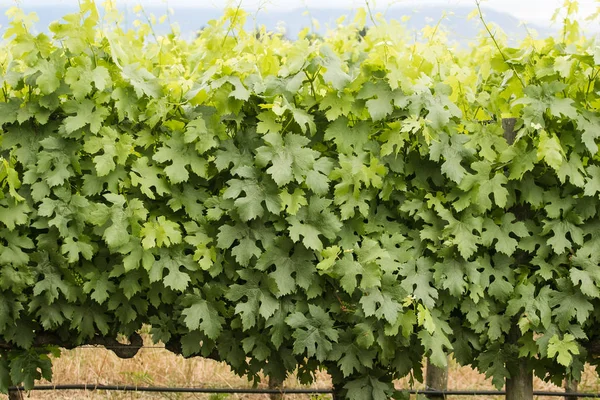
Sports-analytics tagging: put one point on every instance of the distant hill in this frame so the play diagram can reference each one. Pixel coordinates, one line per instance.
(191, 20)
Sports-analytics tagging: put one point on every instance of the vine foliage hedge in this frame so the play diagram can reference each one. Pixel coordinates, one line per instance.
(286, 205)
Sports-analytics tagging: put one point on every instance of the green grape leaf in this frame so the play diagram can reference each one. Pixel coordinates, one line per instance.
(313, 221)
(176, 279)
(314, 334)
(502, 234)
(199, 314)
(180, 156)
(258, 301)
(144, 82)
(288, 156)
(368, 388)
(381, 97)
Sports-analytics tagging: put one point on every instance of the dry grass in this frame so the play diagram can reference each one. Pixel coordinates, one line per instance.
(159, 367)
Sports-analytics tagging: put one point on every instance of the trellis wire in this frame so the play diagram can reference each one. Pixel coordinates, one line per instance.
(164, 389)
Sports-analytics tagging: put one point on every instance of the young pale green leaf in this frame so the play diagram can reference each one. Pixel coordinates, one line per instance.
(550, 150)
(160, 232)
(563, 349)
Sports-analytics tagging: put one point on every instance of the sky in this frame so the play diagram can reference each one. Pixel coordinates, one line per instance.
(538, 11)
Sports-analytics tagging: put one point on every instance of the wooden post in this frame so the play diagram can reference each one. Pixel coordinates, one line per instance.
(508, 124)
(436, 379)
(275, 383)
(571, 387)
(15, 394)
(520, 384)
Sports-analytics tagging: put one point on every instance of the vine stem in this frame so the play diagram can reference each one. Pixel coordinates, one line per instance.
(5, 91)
(487, 28)
(370, 13)
(591, 79)
(433, 34)
(237, 10)
(152, 31)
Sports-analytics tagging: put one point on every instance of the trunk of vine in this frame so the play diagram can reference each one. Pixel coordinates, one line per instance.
(337, 392)
(571, 387)
(15, 394)
(520, 384)
(275, 383)
(436, 379)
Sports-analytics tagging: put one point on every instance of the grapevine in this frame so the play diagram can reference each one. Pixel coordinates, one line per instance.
(347, 202)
